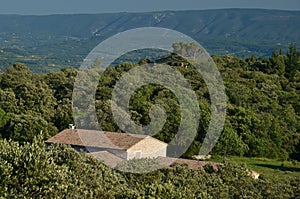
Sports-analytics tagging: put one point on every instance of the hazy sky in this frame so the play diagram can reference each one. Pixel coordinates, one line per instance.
(101, 6)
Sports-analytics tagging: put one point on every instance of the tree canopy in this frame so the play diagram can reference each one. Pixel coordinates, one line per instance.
(263, 117)
(263, 120)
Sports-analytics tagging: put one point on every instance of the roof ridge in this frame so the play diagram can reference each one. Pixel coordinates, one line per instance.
(98, 139)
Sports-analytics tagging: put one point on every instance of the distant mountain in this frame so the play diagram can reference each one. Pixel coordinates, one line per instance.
(242, 32)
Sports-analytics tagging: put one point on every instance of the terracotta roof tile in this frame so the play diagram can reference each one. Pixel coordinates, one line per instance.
(98, 139)
(107, 157)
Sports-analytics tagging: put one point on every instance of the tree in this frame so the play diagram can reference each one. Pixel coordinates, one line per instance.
(3, 118)
(16, 75)
(32, 171)
(24, 128)
(292, 61)
(187, 49)
(230, 143)
(277, 64)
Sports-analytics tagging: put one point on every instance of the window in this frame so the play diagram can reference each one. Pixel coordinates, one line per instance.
(138, 154)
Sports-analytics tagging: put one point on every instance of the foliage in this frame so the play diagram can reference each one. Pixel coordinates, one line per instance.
(263, 105)
(138, 165)
(230, 143)
(263, 117)
(31, 170)
(270, 168)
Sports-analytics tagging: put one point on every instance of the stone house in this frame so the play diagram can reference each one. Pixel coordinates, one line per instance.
(111, 147)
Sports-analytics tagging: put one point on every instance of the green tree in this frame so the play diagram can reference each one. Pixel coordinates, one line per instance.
(292, 61)
(3, 118)
(230, 143)
(277, 64)
(25, 127)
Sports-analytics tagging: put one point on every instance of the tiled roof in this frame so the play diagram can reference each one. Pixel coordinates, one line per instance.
(98, 139)
(107, 157)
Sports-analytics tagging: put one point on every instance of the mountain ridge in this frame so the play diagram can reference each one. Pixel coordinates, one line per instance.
(239, 32)
(45, 22)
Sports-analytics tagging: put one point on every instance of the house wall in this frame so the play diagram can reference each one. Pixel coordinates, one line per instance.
(149, 148)
(146, 148)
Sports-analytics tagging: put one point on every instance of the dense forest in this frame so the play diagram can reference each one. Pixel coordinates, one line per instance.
(262, 117)
(263, 120)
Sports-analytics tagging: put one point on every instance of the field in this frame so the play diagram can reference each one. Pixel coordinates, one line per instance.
(264, 166)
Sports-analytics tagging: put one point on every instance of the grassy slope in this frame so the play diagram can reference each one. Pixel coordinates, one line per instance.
(268, 167)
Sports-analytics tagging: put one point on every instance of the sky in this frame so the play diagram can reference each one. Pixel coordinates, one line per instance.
(45, 7)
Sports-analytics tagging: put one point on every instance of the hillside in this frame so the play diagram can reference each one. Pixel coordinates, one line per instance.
(231, 23)
(262, 122)
(263, 106)
(64, 40)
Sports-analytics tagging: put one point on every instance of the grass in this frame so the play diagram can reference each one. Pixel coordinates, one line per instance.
(264, 166)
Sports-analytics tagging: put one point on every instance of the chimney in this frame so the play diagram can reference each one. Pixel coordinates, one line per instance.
(71, 126)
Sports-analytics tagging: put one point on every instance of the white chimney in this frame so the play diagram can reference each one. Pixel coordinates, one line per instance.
(71, 126)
